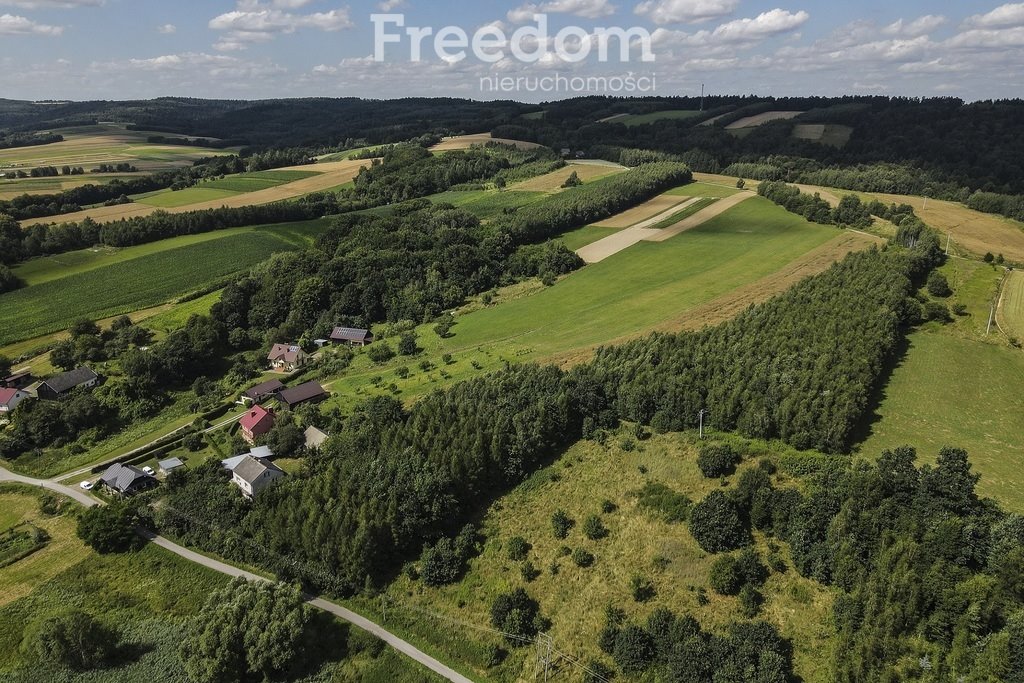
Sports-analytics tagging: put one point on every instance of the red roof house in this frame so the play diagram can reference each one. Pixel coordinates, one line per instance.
(255, 423)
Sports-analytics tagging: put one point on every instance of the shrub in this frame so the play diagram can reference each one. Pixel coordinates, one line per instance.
(725, 576)
(109, 529)
(634, 649)
(750, 567)
(407, 344)
(443, 562)
(717, 460)
(594, 529)
(380, 352)
(529, 572)
(582, 558)
(938, 285)
(716, 525)
(673, 507)
(937, 311)
(562, 523)
(75, 640)
(516, 614)
(750, 601)
(642, 589)
(597, 672)
(518, 548)
(608, 507)
(573, 180)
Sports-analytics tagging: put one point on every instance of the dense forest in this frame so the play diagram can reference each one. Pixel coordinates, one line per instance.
(14, 140)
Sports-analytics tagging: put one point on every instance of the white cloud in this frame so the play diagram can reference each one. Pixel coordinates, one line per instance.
(991, 39)
(685, 11)
(390, 5)
(588, 9)
(11, 25)
(253, 21)
(918, 27)
(167, 29)
(193, 65)
(1004, 16)
(50, 4)
(763, 25)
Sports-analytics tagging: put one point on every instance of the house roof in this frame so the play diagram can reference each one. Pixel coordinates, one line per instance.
(314, 437)
(122, 477)
(170, 464)
(265, 389)
(251, 469)
(20, 375)
(350, 334)
(261, 452)
(286, 352)
(69, 380)
(255, 417)
(301, 394)
(231, 463)
(8, 395)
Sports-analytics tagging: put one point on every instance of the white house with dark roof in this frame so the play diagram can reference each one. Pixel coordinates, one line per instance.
(252, 475)
(286, 357)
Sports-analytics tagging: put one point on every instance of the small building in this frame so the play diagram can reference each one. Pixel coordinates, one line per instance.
(314, 438)
(287, 358)
(310, 392)
(64, 383)
(262, 392)
(9, 400)
(18, 380)
(321, 343)
(352, 336)
(261, 453)
(256, 423)
(126, 480)
(171, 464)
(252, 475)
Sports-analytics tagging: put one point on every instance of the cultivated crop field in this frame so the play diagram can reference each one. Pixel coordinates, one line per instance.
(552, 182)
(459, 142)
(639, 542)
(486, 204)
(632, 120)
(129, 285)
(761, 119)
(1011, 307)
(644, 212)
(222, 188)
(9, 189)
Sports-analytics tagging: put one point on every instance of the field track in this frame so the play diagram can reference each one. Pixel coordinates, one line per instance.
(731, 304)
(613, 244)
(329, 175)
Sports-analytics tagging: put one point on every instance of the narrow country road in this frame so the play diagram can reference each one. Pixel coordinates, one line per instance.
(357, 620)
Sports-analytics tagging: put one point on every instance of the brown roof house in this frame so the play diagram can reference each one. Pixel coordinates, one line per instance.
(304, 393)
(64, 383)
(288, 358)
(351, 336)
(261, 392)
(256, 423)
(252, 475)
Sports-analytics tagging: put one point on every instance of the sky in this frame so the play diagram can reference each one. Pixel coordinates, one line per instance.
(251, 49)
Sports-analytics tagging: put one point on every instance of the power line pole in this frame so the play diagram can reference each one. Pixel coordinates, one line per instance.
(991, 317)
(702, 97)
(949, 237)
(701, 414)
(545, 645)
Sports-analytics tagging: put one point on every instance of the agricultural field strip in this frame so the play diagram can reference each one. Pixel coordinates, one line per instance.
(460, 142)
(1010, 312)
(657, 206)
(760, 119)
(337, 173)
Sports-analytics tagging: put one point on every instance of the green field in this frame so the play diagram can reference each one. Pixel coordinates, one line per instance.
(644, 119)
(699, 189)
(148, 596)
(639, 542)
(169, 199)
(625, 294)
(154, 274)
(486, 204)
(696, 207)
(831, 134)
(1012, 309)
(221, 188)
(577, 239)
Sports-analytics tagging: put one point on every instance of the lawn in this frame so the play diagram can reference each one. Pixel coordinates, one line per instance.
(639, 543)
(126, 286)
(626, 294)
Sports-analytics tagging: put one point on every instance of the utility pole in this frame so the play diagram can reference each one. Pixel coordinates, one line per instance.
(545, 646)
(702, 97)
(991, 317)
(949, 236)
(701, 414)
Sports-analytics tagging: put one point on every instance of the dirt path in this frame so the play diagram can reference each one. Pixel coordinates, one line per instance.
(613, 244)
(328, 175)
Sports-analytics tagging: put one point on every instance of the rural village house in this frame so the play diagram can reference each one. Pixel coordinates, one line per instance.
(252, 475)
(64, 383)
(261, 392)
(351, 336)
(256, 423)
(260, 453)
(9, 400)
(126, 480)
(286, 357)
(304, 393)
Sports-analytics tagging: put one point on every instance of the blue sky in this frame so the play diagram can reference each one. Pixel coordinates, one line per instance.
(119, 49)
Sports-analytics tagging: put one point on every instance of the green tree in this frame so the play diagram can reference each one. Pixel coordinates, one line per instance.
(286, 439)
(8, 280)
(717, 460)
(517, 548)
(5, 366)
(594, 528)
(517, 615)
(407, 345)
(716, 525)
(561, 523)
(109, 528)
(380, 352)
(64, 355)
(938, 285)
(74, 639)
(634, 649)
(725, 576)
(573, 180)
(83, 326)
(246, 631)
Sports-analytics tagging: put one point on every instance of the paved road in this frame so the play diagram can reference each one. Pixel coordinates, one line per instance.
(357, 620)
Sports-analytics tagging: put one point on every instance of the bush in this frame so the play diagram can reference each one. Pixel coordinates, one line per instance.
(597, 672)
(407, 344)
(518, 548)
(529, 572)
(594, 529)
(109, 529)
(443, 562)
(750, 567)
(582, 558)
(608, 507)
(634, 649)
(642, 589)
(716, 525)
(562, 523)
(380, 352)
(673, 507)
(717, 460)
(750, 601)
(725, 576)
(938, 285)
(75, 640)
(937, 311)
(516, 614)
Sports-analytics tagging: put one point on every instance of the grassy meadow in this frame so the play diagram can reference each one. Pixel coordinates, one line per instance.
(221, 188)
(1011, 310)
(640, 542)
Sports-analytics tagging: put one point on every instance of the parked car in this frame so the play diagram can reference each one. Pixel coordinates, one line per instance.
(86, 485)
(149, 470)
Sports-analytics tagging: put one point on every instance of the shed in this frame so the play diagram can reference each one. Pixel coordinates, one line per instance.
(171, 464)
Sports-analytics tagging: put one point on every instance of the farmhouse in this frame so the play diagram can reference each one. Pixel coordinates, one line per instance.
(256, 423)
(351, 336)
(126, 480)
(261, 453)
(63, 384)
(9, 400)
(286, 357)
(252, 475)
(261, 392)
(304, 393)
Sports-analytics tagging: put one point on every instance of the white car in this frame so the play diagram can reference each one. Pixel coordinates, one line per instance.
(86, 485)
(149, 470)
